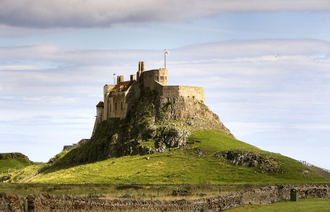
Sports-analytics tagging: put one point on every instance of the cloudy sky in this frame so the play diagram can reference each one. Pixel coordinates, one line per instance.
(264, 65)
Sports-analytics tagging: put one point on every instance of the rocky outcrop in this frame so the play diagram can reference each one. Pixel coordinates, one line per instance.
(153, 124)
(265, 195)
(251, 159)
(193, 113)
(15, 155)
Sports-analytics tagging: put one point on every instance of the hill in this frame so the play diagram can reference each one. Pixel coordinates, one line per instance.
(170, 141)
(10, 163)
(153, 125)
(209, 156)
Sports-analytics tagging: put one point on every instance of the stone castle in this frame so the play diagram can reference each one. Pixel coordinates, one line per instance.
(120, 98)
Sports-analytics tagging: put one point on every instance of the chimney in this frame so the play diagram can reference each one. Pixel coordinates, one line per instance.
(120, 79)
(141, 66)
(132, 77)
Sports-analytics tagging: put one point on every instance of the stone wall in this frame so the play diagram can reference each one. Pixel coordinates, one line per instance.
(265, 195)
(193, 92)
(175, 91)
(10, 203)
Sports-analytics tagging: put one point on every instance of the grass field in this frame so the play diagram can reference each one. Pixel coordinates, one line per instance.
(184, 166)
(310, 205)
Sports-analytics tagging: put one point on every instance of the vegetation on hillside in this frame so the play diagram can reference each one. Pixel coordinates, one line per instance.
(150, 126)
(195, 163)
(11, 163)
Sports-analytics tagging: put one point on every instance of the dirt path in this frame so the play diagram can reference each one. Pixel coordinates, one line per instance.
(321, 172)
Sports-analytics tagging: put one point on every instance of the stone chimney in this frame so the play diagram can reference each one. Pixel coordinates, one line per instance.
(141, 66)
(132, 77)
(120, 79)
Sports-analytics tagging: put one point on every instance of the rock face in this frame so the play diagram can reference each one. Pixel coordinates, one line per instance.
(251, 159)
(155, 124)
(265, 195)
(193, 113)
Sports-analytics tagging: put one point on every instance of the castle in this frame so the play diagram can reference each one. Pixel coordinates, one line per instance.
(120, 98)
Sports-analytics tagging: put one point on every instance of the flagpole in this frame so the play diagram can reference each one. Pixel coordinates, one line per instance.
(165, 53)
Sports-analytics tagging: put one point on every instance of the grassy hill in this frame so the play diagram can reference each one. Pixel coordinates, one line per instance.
(195, 163)
(12, 161)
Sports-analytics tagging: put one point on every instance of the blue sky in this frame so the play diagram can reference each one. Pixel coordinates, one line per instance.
(264, 66)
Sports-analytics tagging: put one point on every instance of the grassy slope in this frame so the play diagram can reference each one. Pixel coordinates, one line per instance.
(10, 165)
(180, 166)
(26, 171)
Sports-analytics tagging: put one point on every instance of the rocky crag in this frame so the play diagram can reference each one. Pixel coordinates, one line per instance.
(153, 124)
(250, 159)
(16, 155)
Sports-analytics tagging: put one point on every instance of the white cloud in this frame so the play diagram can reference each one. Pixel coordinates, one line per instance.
(106, 13)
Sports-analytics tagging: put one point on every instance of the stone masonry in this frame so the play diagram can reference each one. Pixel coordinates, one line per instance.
(265, 195)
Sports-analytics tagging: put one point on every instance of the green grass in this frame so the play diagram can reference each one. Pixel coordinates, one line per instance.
(309, 205)
(181, 167)
(10, 165)
(26, 171)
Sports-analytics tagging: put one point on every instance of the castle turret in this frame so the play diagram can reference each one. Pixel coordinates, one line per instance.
(98, 117)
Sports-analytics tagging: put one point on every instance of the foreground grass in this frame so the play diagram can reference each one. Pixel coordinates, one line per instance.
(310, 205)
(185, 166)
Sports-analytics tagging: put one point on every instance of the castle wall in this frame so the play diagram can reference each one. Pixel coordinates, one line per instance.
(98, 118)
(106, 92)
(117, 105)
(184, 91)
(192, 91)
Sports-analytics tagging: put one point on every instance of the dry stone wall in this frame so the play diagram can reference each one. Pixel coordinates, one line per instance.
(10, 203)
(265, 195)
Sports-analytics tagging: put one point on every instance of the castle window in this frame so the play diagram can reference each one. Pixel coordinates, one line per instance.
(110, 107)
(161, 78)
(157, 78)
(115, 105)
(121, 105)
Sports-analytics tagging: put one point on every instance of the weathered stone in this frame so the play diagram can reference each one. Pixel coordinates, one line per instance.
(10, 203)
(265, 195)
(243, 158)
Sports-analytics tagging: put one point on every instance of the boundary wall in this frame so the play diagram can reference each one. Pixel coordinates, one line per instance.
(265, 195)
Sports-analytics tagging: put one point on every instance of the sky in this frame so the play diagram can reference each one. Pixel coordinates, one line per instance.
(264, 66)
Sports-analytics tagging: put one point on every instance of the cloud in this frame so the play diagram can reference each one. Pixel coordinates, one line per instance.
(107, 13)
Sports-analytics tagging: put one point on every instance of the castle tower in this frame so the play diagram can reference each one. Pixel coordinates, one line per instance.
(98, 117)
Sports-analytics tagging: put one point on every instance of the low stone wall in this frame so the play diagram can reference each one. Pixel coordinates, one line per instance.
(10, 203)
(263, 195)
